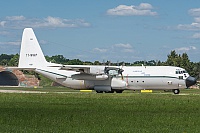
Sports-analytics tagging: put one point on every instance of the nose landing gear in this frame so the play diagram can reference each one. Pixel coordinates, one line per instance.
(176, 91)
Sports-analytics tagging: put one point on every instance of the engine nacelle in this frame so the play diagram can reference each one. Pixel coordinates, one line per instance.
(118, 83)
(89, 77)
(97, 70)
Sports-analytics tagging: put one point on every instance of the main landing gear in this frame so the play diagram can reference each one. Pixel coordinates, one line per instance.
(176, 91)
(112, 91)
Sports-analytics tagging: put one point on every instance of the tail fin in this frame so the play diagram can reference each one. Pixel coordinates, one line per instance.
(31, 55)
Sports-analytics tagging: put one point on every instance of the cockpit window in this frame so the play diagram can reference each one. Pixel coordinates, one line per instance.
(180, 72)
(184, 71)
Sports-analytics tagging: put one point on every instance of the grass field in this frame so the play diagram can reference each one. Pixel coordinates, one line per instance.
(91, 112)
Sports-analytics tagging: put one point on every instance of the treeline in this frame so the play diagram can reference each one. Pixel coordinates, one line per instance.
(173, 59)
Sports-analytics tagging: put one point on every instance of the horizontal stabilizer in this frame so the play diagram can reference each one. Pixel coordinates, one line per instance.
(19, 68)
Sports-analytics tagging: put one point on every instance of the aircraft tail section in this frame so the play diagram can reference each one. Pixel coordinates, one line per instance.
(31, 55)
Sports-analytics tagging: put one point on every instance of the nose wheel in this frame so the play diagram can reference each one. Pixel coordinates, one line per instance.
(176, 91)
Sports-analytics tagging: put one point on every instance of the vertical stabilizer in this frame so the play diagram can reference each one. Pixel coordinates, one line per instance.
(31, 55)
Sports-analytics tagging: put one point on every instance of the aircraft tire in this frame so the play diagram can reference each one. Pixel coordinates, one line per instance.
(109, 91)
(176, 91)
(99, 91)
(112, 91)
(119, 91)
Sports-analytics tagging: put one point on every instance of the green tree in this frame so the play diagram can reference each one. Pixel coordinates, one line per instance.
(75, 62)
(4, 62)
(182, 61)
(171, 60)
(194, 69)
(185, 63)
(159, 63)
(87, 63)
(48, 58)
(97, 63)
(4, 59)
(14, 60)
(60, 59)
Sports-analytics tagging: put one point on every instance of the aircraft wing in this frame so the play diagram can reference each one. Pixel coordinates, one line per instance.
(86, 72)
(93, 70)
(82, 69)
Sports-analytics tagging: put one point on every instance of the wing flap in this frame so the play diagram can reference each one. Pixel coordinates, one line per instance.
(94, 70)
(76, 69)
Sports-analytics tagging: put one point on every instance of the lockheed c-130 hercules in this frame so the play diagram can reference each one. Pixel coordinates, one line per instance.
(101, 78)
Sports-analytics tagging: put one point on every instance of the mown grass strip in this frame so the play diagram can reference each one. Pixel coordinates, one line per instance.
(90, 112)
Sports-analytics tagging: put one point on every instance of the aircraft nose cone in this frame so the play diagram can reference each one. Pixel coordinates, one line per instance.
(190, 81)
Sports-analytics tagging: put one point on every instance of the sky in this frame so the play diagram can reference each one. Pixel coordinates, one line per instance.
(101, 30)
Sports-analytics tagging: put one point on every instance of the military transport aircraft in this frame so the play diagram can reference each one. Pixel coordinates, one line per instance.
(101, 78)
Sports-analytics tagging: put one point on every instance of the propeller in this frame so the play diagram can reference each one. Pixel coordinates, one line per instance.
(120, 71)
(197, 77)
(103, 63)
